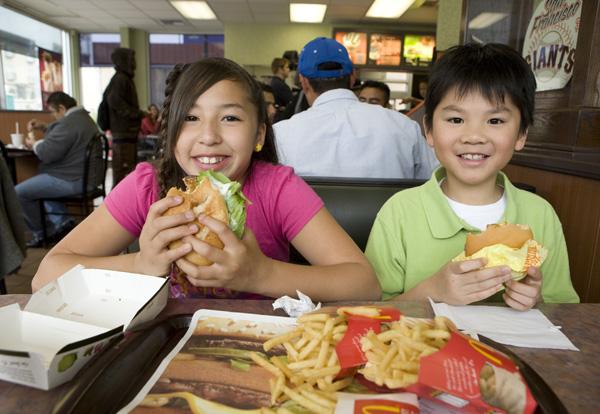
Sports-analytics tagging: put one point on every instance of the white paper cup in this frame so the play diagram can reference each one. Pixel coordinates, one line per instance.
(17, 139)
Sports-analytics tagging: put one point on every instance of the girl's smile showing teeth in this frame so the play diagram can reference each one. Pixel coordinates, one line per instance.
(210, 160)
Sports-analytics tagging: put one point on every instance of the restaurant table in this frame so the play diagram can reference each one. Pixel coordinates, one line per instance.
(573, 376)
(29, 167)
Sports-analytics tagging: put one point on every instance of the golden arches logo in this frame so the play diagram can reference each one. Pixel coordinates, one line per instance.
(374, 409)
(477, 346)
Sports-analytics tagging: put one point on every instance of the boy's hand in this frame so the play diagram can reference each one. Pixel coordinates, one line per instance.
(234, 267)
(525, 293)
(154, 257)
(464, 282)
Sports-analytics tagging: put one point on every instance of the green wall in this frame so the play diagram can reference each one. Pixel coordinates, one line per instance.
(138, 40)
(75, 65)
(258, 44)
(448, 26)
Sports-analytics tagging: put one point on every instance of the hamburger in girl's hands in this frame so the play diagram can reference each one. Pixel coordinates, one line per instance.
(505, 244)
(212, 194)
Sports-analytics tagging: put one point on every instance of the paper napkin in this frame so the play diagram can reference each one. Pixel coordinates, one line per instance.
(530, 329)
(296, 307)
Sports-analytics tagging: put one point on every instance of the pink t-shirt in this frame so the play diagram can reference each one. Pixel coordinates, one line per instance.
(281, 205)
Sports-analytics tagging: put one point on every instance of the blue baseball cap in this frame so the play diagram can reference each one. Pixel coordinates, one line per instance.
(322, 50)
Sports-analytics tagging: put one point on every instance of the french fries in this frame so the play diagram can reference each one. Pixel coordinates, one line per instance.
(393, 355)
(307, 377)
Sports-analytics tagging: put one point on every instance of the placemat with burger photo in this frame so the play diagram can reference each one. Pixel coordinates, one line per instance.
(338, 360)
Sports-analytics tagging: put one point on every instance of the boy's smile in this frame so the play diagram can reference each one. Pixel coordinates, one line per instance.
(473, 139)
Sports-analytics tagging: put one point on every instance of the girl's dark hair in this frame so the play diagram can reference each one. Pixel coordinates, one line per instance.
(493, 70)
(184, 85)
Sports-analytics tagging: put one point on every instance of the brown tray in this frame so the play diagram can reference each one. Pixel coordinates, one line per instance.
(114, 378)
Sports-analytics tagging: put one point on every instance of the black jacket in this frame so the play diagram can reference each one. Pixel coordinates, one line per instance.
(124, 110)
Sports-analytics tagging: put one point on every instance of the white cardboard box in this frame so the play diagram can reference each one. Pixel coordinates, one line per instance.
(71, 319)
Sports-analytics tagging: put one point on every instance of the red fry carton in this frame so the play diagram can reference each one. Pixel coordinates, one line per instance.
(348, 350)
(470, 375)
(464, 374)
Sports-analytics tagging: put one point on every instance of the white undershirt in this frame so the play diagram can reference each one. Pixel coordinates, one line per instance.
(479, 216)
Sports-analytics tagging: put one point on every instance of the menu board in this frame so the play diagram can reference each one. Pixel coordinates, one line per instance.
(385, 49)
(418, 49)
(21, 81)
(356, 44)
(50, 72)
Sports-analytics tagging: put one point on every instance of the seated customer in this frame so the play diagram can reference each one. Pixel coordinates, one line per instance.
(479, 106)
(61, 153)
(281, 70)
(339, 136)
(150, 124)
(269, 98)
(375, 93)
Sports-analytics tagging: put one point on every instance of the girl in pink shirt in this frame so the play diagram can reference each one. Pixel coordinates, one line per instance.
(214, 117)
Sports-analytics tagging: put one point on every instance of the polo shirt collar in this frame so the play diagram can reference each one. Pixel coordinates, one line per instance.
(442, 220)
(333, 95)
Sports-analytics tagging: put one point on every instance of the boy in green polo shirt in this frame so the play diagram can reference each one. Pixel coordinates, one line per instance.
(478, 108)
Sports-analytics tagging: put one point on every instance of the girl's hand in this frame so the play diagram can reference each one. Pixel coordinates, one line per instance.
(237, 266)
(154, 257)
(464, 282)
(525, 293)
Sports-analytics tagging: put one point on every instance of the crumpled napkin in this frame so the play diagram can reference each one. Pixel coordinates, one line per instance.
(529, 329)
(296, 307)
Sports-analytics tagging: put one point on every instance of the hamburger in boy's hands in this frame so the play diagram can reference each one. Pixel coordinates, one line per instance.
(505, 244)
(212, 194)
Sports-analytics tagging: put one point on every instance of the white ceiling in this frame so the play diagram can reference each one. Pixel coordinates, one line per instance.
(149, 15)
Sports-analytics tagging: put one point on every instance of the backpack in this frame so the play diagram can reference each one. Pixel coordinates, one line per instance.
(103, 118)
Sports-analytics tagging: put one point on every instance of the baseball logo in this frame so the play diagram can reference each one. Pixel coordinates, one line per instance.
(550, 42)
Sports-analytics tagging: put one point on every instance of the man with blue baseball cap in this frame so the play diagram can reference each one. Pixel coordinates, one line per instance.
(339, 136)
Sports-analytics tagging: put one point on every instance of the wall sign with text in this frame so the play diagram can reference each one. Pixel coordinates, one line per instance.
(550, 42)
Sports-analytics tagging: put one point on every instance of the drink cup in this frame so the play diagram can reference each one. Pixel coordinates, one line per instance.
(17, 140)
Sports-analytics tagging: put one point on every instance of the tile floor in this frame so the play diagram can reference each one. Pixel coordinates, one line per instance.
(20, 282)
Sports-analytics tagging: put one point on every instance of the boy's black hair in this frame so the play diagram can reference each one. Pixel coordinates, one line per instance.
(377, 85)
(60, 98)
(493, 70)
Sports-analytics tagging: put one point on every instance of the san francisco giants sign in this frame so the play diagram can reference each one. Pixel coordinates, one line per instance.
(551, 40)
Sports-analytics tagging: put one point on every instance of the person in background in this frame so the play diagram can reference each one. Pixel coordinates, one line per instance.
(124, 113)
(269, 98)
(418, 101)
(374, 92)
(281, 70)
(216, 119)
(339, 136)
(479, 106)
(296, 105)
(150, 124)
(61, 152)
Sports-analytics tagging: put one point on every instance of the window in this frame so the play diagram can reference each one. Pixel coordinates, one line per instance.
(96, 68)
(31, 65)
(167, 50)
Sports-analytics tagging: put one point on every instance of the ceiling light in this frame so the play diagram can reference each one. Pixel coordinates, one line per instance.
(307, 13)
(484, 20)
(197, 10)
(389, 9)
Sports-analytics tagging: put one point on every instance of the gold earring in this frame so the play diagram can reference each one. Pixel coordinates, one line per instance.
(258, 147)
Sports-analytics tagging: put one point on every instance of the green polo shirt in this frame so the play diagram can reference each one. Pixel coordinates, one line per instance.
(416, 232)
